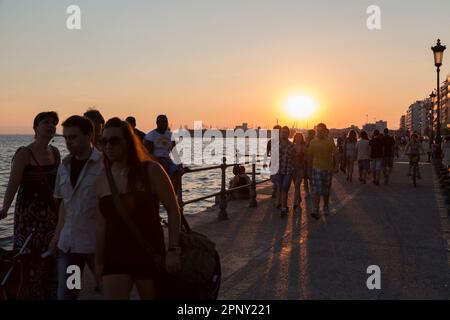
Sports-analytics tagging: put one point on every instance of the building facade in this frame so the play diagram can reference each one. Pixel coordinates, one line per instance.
(402, 125)
(417, 120)
(381, 125)
(371, 127)
(445, 104)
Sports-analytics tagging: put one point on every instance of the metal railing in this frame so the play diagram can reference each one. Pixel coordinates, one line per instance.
(222, 194)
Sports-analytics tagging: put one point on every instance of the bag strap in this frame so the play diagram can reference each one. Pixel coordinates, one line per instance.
(123, 213)
(184, 222)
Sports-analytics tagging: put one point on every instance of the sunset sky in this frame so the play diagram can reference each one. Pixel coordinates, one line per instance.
(221, 62)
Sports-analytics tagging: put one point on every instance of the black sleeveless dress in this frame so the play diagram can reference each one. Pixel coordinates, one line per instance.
(123, 254)
(35, 209)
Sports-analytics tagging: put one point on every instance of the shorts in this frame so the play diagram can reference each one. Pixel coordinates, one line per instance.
(283, 181)
(141, 268)
(388, 162)
(321, 181)
(128, 257)
(377, 164)
(364, 165)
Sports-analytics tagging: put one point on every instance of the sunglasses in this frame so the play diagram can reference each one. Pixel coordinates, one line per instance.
(113, 141)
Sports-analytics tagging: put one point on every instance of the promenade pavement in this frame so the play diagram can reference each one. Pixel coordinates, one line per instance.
(402, 229)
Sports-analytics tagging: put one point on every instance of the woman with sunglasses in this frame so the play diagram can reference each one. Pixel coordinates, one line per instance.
(141, 184)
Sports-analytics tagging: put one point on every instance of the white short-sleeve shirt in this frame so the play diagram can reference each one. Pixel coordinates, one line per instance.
(81, 204)
(363, 149)
(162, 143)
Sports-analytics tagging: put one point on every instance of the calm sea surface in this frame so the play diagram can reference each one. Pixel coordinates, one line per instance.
(194, 185)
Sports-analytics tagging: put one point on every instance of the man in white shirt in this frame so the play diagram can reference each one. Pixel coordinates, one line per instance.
(79, 214)
(159, 143)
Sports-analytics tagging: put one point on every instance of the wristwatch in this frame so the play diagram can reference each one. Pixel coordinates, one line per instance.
(175, 249)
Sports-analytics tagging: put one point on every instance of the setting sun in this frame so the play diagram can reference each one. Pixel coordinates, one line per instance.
(300, 106)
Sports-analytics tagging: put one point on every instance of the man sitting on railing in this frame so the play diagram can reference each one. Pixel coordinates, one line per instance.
(159, 144)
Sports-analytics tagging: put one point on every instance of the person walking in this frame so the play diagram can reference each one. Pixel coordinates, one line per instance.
(323, 153)
(78, 213)
(299, 167)
(376, 154)
(285, 169)
(388, 155)
(99, 123)
(397, 146)
(350, 154)
(32, 177)
(140, 185)
(341, 152)
(308, 166)
(363, 157)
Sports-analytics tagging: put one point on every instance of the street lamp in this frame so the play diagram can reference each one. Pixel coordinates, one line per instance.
(432, 96)
(438, 51)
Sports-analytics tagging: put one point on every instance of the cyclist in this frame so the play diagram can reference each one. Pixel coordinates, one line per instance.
(414, 150)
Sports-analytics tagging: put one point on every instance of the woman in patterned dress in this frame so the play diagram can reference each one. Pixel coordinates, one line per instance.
(32, 177)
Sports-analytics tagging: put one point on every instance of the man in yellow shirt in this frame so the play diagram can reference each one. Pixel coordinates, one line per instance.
(323, 153)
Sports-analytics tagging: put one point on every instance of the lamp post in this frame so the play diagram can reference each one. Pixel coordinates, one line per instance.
(432, 96)
(438, 51)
